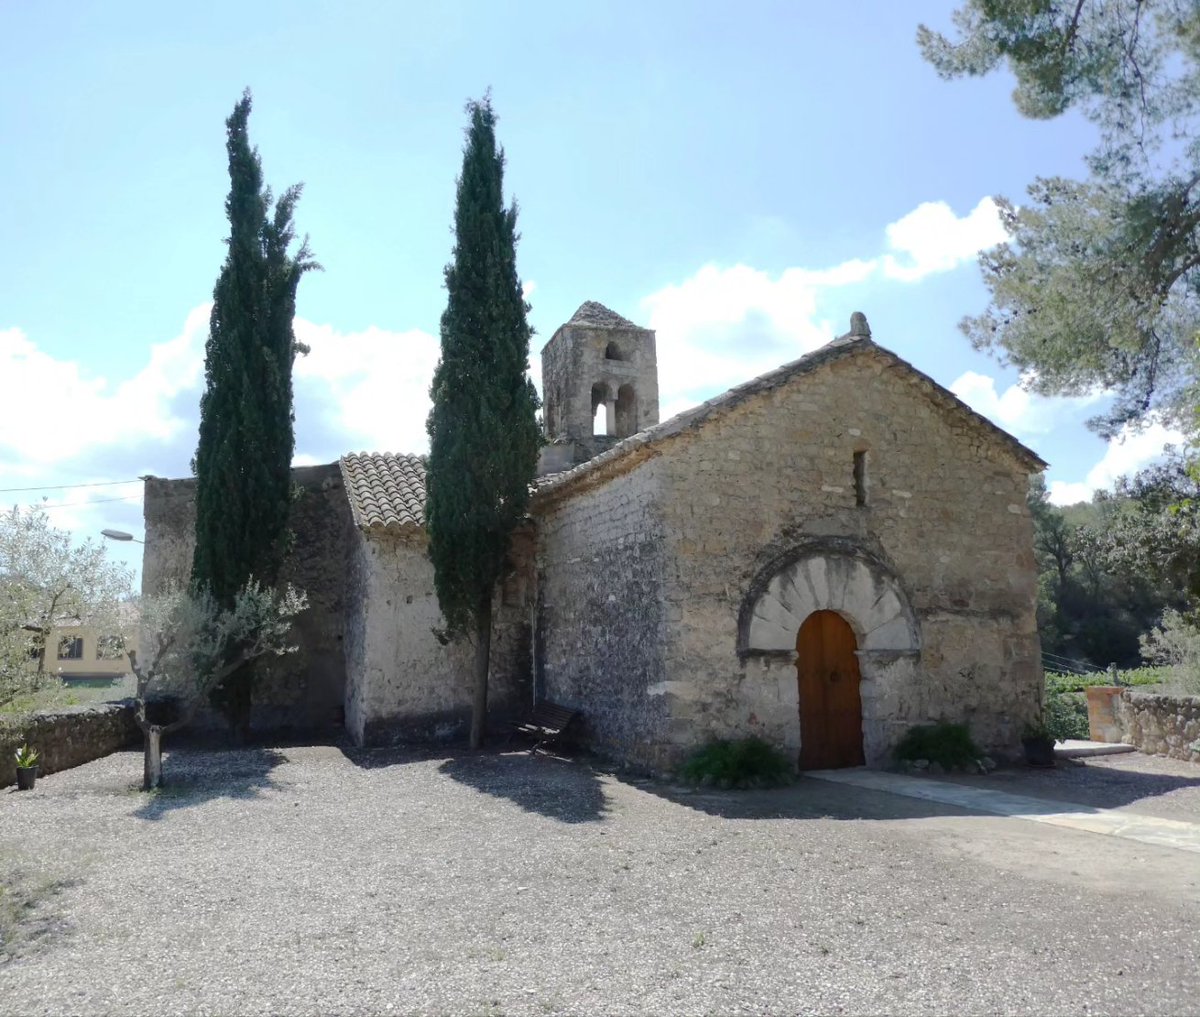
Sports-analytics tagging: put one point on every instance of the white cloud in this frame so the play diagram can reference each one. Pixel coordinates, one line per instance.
(56, 410)
(726, 325)
(931, 238)
(1016, 409)
(66, 425)
(365, 390)
(1125, 455)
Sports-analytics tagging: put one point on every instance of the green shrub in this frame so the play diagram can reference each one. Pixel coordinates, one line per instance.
(1065, 715)
(949, 745)
(1078, 682)
(1148, 676)
(748, 762)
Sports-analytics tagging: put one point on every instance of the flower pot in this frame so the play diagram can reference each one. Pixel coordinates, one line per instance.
(1039, 751)
(26, 777)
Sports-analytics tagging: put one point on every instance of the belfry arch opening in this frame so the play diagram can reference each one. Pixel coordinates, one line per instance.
(602, 410)
(614, 352)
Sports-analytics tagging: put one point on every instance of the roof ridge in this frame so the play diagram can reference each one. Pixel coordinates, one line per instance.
(858, 339)
(594, 314)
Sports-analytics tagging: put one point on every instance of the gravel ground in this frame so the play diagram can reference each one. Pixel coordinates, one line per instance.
(317, 880)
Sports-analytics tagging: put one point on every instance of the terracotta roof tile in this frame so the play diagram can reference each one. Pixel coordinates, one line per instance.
(386, 490)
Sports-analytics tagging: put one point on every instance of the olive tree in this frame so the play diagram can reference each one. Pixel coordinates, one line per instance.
(47, 578)
(190, 644)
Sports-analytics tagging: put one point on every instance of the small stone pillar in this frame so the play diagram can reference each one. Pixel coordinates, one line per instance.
(1102, 719)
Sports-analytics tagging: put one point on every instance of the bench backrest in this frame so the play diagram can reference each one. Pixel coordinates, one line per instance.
(551, 715)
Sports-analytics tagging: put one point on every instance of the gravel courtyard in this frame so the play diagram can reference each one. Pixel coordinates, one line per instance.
(319, 880)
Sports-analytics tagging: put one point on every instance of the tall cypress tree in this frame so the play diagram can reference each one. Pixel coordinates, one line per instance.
(483, 431)
(244, 457)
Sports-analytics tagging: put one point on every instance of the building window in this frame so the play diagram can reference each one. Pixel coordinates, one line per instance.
(110, 647)
(613, 352)
(601, 410)
(860, 478)
(70, 648)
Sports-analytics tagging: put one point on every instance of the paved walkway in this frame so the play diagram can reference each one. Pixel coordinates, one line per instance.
(1171, 833)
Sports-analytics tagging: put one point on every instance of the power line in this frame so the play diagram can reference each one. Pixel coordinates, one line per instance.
(85, 504)
(61, 487)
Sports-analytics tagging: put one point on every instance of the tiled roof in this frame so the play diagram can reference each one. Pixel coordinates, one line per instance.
(594, 315)
(386, 490)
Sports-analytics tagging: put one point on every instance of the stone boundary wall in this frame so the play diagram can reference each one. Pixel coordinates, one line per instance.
(69, 736)
(1160, 725)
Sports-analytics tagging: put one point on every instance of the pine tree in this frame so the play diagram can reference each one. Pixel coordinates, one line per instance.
(243, 460)
(483, 431)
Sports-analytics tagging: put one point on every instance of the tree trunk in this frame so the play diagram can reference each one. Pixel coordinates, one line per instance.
(152, 768)
(483, 651)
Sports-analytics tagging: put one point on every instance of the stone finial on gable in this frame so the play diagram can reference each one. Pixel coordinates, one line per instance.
(859, 326)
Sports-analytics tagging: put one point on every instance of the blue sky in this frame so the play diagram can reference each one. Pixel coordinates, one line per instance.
(738, 177)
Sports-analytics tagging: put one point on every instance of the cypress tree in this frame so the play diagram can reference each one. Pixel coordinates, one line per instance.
(483, 431)
(243, 460)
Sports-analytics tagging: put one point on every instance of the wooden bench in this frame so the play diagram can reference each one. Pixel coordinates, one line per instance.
(547, 724)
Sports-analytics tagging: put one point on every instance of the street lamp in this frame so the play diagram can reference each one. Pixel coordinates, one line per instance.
(120, 535)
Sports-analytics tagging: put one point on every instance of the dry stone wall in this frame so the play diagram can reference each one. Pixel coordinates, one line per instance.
(1160, 725)
(69, 736)
(601, 574)
(304, 690)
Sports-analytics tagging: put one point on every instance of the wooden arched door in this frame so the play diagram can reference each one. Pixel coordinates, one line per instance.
(830, 703)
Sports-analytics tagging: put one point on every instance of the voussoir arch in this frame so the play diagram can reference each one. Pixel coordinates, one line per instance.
(849, 581)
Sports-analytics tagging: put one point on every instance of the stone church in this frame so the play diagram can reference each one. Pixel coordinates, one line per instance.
(823, 556)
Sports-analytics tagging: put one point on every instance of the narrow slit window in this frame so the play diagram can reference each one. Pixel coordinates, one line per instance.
(860, 478)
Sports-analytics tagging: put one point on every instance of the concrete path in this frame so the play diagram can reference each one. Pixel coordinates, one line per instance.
(1074, 748)
(1170, 833)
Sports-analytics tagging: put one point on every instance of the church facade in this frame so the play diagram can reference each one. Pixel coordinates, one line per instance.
(823, 556)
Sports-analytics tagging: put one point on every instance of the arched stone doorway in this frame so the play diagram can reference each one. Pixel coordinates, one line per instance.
(837, 576)
(828, 679)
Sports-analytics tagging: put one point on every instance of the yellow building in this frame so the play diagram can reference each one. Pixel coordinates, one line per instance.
(80, 651)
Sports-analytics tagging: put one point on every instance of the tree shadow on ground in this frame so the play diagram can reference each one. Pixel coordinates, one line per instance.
(1103, 782)
(1068, 785)
(550, 786)
(196, 775)
(806, 799)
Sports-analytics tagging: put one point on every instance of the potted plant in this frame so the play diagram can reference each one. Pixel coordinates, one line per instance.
(27, 768)
(1039, 745)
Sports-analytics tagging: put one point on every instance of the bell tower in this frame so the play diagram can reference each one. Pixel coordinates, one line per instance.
(599, 382)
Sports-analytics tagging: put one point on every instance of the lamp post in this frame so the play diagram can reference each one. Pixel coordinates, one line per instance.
(120, 535)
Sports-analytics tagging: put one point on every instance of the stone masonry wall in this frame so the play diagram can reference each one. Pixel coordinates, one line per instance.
(1161, 725)
(946, 512)
(405, 683)
(601, 571)
(303, 690)
(69, 736)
